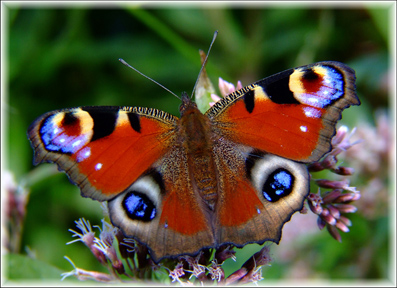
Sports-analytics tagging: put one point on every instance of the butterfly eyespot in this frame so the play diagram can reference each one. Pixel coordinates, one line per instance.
(139, 207)
(277, 178)
(138, 204)
(317, 86)
(278, 185)
(65, 132)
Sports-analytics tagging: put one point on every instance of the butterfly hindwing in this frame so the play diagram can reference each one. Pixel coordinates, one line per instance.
(176, 222)
(258, 193)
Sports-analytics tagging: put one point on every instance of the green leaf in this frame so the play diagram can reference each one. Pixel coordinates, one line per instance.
(204, 89)
(22, 267)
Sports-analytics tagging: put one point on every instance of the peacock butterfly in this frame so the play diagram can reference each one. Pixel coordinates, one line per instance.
(235, 174)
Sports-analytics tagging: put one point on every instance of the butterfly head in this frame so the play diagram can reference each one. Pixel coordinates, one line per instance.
(188, 106)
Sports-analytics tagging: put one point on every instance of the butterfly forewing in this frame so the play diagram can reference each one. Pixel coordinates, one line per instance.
(291, 114)
(102, 149)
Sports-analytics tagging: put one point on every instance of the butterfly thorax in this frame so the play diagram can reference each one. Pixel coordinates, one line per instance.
(195, 129)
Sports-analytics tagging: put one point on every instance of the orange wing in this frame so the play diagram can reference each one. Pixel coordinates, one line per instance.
(250, 209)
(291, 114)
(103, 150)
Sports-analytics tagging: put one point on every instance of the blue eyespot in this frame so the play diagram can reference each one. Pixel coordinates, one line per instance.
(61, 138)
(139, 207)
(278, 185)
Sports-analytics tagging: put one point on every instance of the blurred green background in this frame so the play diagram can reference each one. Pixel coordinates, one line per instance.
(67, 56)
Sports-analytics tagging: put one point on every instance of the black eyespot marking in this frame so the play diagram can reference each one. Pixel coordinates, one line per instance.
(134, 122)
(104, 120)
(249, 102)
(158, 178)
(278, 185)
(139, 207)
(69, 119)
(250, 162)
(278, 91)
(310, 75)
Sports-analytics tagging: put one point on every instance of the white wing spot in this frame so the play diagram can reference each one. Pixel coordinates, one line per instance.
(98, 166)
(76, 143)
(312, 112)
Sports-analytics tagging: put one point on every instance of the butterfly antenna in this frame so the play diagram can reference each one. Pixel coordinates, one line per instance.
(147, 77)
(205, 61)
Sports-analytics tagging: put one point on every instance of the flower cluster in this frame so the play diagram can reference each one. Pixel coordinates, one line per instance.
(15, 211)
(373, 160)
(331, 206)
(225, 88)
(205, 271)
(133, 260)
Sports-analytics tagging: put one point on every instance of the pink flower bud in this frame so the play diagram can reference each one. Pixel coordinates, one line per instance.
(215, 97)
(348, 197)
(332, 184)
(334, 211)
(315, 208)
(99, 255)
(118, 266)
(225, 252)
(345, 220)
(331, 196)
(340, 135)
(315, 167)
(346, 208)
(236, 276)
(334, 233)
(329, 161)
(325, 212)
(341, 170)
(321, 223)
(225, 87)
(341, 226)
(357, 196)
(329, 218)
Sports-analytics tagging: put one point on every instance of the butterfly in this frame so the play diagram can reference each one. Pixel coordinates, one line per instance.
(233, 175)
